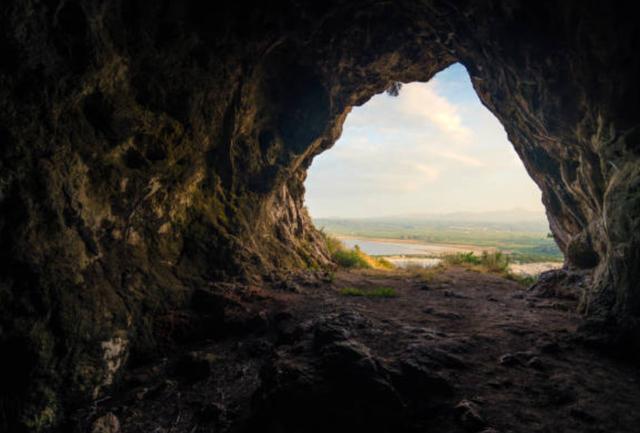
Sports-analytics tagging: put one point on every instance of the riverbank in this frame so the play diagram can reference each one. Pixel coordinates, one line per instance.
(383, 246)
(404, 253)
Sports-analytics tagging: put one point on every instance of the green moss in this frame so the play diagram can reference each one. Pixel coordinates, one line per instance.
(44, 416)
(523, 280)
(378, 292)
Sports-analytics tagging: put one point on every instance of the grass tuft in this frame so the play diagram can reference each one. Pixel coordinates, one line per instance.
(523, 280)
(489, 262)
(426, 275)
(494, 262)
(461, 259)
(378, 292)
(350, 259)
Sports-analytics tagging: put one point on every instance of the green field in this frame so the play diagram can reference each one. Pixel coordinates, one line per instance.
(524, 241)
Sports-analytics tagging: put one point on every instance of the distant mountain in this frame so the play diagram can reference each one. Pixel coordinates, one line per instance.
(497, 216)
(511, 219)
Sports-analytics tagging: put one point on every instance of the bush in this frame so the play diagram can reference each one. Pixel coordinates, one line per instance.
(462, 259)
(350, 259)
(333, 244)
(353, 258)
(495, 262)
(383, 263)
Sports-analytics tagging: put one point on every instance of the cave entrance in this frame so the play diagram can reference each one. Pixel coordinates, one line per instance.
(428, 172)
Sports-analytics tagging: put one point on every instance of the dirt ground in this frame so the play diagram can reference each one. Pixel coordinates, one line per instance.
(459, 352)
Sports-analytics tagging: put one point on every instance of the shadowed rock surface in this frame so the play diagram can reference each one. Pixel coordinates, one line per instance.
(328, 362)
(151, 151)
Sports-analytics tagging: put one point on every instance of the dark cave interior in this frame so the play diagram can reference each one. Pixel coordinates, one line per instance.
(152, 160)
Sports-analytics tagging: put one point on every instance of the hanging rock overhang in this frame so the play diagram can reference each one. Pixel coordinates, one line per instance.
(150, 147)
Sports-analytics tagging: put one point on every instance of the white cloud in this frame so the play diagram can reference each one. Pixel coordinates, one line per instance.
(425, 102)
(432, 149)
(429, 173)
(464, 159)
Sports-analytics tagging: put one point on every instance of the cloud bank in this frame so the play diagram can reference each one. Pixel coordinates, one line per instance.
(434, 148)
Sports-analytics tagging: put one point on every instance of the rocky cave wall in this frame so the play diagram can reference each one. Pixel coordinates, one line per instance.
(149, 147)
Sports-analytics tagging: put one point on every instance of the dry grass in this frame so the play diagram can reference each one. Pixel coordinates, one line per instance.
(488, 262)
(426, 275)
(494, 262)
(354, 258)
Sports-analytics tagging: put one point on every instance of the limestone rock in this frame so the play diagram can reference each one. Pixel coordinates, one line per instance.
(107, 423)
(148, 147)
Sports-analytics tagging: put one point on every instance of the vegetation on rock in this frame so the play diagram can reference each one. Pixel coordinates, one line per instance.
(149, 149)
(376, 292)
(488, 262)
(353, 257)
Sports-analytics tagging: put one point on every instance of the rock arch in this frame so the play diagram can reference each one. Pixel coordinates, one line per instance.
(148, 148)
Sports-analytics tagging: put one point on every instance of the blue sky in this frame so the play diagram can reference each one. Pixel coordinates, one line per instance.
(433, 149)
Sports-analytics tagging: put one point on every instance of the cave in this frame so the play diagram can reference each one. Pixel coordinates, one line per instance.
(152, 161)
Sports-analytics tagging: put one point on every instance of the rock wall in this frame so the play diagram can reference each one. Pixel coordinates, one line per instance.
(149, 147)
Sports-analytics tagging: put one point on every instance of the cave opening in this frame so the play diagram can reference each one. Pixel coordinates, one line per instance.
(159, 271)
(423, 171)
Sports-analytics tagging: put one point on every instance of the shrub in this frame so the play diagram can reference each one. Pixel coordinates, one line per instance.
(462, 259)
(382, 263)
(497, 262)
(353, 258)
(333, 244)
(350, 259)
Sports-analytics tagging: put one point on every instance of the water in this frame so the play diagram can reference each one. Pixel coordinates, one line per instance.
(399, 253)
(384, 248)
(377, 247)
(422, 262)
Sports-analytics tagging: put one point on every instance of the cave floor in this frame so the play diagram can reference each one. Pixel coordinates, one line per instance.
(464, 351)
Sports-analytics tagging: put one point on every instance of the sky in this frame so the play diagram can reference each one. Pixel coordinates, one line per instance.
(433, 149)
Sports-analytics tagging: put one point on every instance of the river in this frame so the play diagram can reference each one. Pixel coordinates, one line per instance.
(403, 254)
